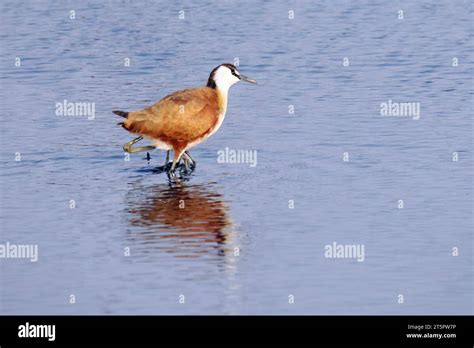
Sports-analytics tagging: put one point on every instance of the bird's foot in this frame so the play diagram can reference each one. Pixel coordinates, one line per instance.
(181, 171)
(128, 147)
(189, 162)
(164, 168)
(171, 174)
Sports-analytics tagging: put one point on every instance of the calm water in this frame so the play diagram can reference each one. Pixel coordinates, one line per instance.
(191, 251)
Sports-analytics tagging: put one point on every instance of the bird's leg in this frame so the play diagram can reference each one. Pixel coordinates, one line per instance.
(188, 161)
(188, 156)
(167, 157)
(166, 166)
(128, 146)
(177, 157)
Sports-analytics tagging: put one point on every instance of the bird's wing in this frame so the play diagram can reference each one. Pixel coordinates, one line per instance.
(182, 116)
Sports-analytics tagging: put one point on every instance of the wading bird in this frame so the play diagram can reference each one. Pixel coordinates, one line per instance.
(184, 118)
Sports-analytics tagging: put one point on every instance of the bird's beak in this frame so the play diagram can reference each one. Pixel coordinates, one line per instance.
(247, 79)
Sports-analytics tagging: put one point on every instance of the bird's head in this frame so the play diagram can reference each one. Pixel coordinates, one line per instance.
(224, 76)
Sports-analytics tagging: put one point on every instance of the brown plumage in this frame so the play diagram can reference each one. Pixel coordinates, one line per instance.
(178, 119)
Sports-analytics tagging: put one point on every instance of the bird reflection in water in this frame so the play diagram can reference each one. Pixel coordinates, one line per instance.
(189, 221)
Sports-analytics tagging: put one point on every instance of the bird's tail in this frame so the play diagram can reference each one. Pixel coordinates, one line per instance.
(121, 113)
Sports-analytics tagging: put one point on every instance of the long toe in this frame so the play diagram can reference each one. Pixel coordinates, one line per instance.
(171, 171)
(171, 175)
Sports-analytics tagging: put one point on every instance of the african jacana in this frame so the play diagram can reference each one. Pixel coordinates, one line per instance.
(184, 118)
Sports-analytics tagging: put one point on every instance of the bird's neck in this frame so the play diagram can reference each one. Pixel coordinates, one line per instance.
(222, 98)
